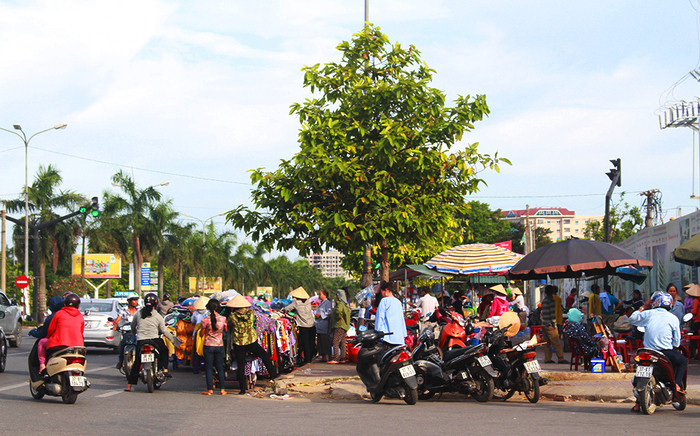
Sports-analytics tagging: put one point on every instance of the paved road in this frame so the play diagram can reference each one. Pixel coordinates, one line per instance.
(179, 408)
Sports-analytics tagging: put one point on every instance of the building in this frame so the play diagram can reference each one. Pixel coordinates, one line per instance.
(563, 223)
(329, 264)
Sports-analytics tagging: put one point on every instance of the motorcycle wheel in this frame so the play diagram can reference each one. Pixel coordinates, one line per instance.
(376, 397)
(37, 393)
(646, 397)
(69, 397)
(679, 405)
(150, 383)
(484, 392)
(3, 355)
(533, 390)
(411, 397)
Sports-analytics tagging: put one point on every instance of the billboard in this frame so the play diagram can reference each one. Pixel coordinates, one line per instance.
(98, 266)
(205, 285)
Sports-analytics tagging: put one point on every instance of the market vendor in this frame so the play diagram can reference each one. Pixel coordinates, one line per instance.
(245, 339)
(304, 318)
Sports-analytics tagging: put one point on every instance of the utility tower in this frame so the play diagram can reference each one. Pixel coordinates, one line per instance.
(652, 202)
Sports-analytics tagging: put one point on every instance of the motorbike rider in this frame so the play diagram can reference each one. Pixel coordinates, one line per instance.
(389, 320)
(126, 315)
(55, 304)
(66, 328)
(662, 333)
(165, 306)
(149, 325)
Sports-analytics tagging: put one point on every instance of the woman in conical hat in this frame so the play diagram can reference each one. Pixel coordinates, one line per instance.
(304, 318)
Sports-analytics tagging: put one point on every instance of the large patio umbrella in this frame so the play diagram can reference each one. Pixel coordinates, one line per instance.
(473, 259)
(689, 251)
(572, 258)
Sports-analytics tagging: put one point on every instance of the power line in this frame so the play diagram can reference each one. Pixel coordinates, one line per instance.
(548, 196)
(145, 169)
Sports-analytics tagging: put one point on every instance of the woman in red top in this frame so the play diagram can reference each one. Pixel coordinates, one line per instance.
(214, 326)
(67, 326)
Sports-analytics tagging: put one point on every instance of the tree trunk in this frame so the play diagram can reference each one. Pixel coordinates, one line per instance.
(160, 278)
(137, 264)
(384, 247)
(54, 254)
(42, 289)
(366, 267)
(179, 278)
(108, 289)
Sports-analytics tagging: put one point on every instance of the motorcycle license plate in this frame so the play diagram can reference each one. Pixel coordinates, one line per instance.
(148, 358)
(77, 381)
(645, 371)
(484, 361)
(532, 366)
(407, 371)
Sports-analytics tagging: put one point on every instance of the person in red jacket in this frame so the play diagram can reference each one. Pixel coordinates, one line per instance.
(67, 326)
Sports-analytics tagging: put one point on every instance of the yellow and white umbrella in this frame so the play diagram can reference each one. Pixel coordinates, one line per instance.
(474, 259)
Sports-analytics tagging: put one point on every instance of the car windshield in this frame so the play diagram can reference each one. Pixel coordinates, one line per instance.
(95, 306)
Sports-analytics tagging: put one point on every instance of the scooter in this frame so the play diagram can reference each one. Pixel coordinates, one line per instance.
(129, 349)
(65, 374)
(518, 368)
(151, 373)
(385, 370)
(467, 370)
(654, 380)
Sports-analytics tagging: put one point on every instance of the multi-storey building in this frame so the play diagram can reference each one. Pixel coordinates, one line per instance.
(329, 264)
(562, 223)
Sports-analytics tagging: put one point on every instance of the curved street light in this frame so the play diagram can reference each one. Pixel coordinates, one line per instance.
(25, 140)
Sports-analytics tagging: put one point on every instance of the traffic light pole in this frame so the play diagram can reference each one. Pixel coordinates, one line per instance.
(615, 176)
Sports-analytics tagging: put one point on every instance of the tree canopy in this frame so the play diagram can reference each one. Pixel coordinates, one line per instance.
(625, 221)
(374, 165)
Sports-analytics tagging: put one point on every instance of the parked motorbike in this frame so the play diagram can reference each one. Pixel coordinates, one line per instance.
(467, 370)
(518, 368)
(386, 370)
(65, 374)
(455, 329)
(150, 373)
(654, 381)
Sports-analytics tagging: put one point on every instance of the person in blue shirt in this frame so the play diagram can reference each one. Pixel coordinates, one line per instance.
(608, 303)
(662, 333)
(390, 317)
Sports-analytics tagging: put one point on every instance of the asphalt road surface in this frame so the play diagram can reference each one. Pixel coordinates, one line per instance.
(178, 408)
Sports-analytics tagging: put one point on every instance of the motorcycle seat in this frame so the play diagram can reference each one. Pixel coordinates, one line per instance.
(70, 350)
(451, 354)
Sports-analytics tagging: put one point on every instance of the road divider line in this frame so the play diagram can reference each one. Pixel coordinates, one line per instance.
(100, 368)
(19, 385)
(109, 394)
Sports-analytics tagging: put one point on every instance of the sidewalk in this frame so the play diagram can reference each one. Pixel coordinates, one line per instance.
(322, 382)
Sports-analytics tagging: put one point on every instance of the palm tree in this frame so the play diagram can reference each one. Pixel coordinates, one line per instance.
(57, 242)
(132, 213)
(173, 252)
(162, 219)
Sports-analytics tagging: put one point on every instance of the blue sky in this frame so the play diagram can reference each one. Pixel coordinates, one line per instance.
(198, 93)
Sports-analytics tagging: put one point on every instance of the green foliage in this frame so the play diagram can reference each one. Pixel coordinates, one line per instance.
(541, 237)
(625, 221)
(373, 165)
(483, 225)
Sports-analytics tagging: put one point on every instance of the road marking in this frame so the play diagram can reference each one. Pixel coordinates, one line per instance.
(101, 368)
(11, 354)
(109, 394)
(7, 388)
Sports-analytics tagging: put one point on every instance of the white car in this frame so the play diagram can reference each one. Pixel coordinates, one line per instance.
(11, 320)
(99, 315)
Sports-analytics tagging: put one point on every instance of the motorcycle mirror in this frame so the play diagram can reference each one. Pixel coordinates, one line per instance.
(687, 317)
(641, 329)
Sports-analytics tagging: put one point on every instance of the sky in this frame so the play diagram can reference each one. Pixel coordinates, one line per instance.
(198, 93)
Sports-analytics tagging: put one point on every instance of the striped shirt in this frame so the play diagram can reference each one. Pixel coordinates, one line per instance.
(549, 313)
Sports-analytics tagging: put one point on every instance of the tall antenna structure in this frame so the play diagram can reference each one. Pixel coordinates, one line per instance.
(684, 114)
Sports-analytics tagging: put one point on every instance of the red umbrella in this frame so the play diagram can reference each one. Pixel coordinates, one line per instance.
(574, 257)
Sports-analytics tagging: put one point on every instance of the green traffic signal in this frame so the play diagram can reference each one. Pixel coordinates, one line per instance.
(95, 213)
(83, 209)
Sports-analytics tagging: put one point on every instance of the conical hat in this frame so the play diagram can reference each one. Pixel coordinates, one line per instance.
(516, 291)
(693, 290)
(500, 289)
(201, 303)
(511, 318)
(237, 302)
(300, 293)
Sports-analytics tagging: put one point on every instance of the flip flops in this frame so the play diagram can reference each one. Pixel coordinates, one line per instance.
(207, 393)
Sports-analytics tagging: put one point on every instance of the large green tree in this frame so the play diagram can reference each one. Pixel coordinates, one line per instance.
(481, 224)
(374, 165)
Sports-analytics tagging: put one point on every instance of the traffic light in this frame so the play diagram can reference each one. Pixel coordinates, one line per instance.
(95, 207)
(615, 173)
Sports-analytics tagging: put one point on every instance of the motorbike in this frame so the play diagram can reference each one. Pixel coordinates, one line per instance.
(65, 374)
(518, 368)
(129, 348)
(386, 370)
(467, 370)
(654, 381)
(455, 331)
(150, 373)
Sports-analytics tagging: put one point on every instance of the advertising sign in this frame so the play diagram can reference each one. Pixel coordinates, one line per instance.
(98, 266)
(205, 285)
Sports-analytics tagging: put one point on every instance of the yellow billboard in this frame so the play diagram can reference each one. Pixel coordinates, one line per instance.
(98, 266)
(205, 285)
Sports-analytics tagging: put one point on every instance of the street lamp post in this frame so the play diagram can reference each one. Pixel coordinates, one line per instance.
(25, 140)
(204, 222)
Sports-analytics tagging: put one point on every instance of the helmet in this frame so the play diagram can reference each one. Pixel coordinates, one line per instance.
(662, 299)
(71, 300)
(166, 295)
(132, 296)
(150, 299)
